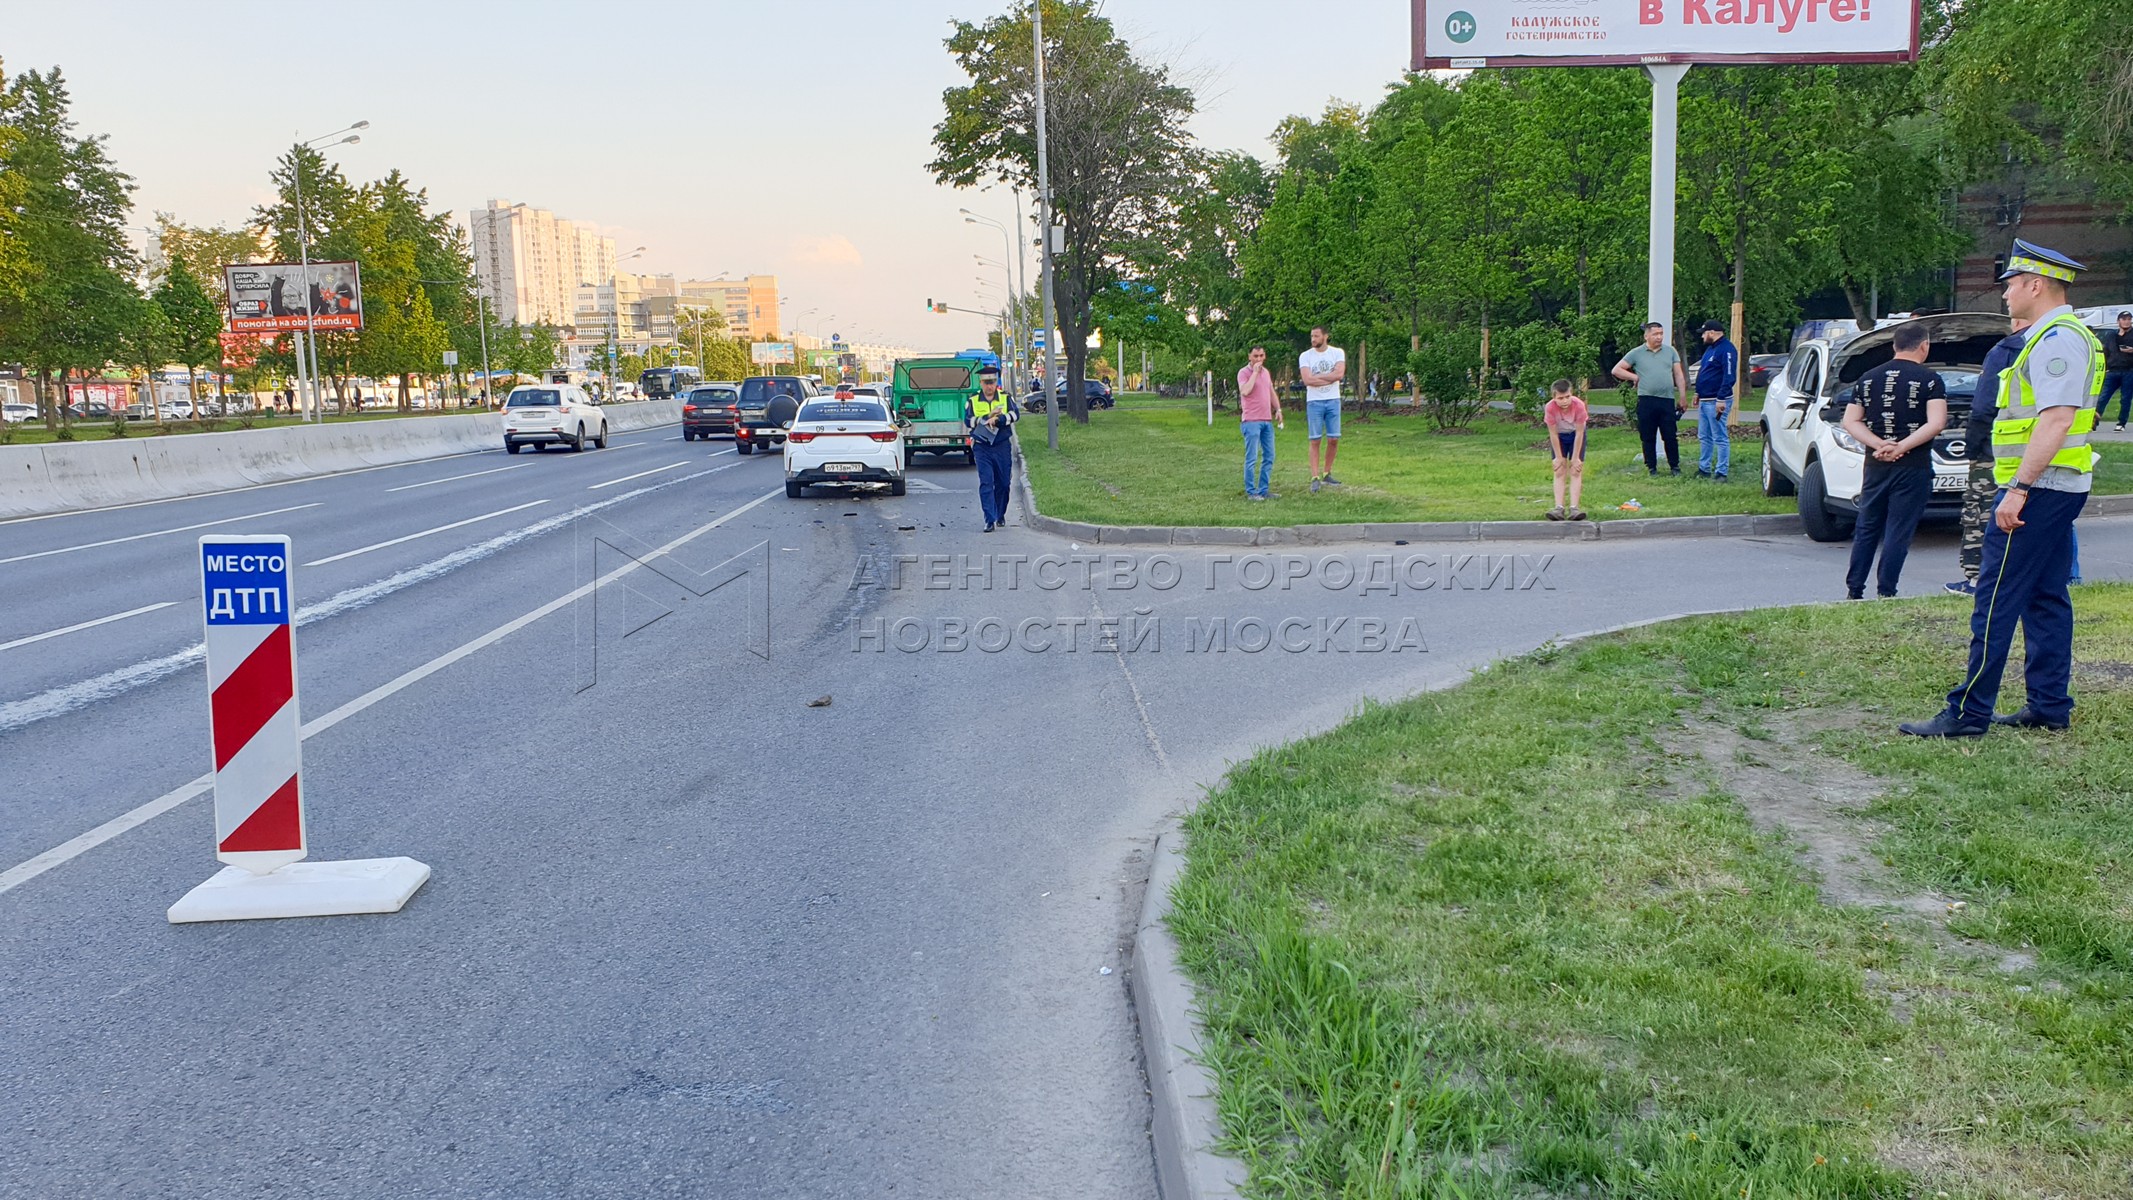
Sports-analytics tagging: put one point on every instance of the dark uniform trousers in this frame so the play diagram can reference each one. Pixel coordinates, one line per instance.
(2023, 577)
(996, 467)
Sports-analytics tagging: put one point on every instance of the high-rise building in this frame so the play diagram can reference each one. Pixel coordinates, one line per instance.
(531, 262)
(750, 305)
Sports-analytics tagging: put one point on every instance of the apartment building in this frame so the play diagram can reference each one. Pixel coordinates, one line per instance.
(531, 262)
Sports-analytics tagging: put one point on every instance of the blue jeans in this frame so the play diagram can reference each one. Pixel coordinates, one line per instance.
(1258, 456)
(2120, 382)
(1717, 453)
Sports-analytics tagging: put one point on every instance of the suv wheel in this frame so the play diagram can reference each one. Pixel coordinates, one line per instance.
(577, 443)
(1821, 524)
(601, 441)
(744, 445)
(1774, 481)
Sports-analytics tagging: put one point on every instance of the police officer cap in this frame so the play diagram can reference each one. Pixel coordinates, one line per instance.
(2027, 258)
(988, 371)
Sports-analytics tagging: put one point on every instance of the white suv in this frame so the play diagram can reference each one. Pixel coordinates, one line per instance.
(539, 414)
(1805, 449)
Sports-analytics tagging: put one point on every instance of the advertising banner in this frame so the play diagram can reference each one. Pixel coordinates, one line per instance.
(1503, 33)
(274, 297)
(765, 354)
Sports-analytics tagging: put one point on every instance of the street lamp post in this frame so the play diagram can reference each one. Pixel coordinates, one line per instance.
(1014, 324)
(614, 344)
(1044, 221)
(317, 403)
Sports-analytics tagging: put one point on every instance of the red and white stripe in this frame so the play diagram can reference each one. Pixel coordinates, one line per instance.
(258, 740)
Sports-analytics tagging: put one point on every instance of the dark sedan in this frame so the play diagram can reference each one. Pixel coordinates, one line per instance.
(1762, 366)
(709, 409)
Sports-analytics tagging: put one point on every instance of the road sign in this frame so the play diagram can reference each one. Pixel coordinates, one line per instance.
(251, 671)
(257, 736)
(451, 358)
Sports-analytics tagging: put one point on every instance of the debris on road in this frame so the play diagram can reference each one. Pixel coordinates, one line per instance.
(819, 702)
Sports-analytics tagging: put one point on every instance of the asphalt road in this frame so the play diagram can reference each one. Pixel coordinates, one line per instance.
(686, 935)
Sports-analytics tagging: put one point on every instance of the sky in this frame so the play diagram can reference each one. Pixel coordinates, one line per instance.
(787, 137)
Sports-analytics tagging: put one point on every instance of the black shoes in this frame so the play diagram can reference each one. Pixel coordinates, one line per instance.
(1943, 725)
(2029, 718)
(988, 526)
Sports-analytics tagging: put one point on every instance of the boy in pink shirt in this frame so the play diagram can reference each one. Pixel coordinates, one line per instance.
(1260, 410)
(1566, 419)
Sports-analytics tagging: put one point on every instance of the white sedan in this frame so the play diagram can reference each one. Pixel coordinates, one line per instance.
(843, 441)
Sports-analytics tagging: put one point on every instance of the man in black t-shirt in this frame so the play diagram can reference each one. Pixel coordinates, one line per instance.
(1895, 412)
(2117, 369)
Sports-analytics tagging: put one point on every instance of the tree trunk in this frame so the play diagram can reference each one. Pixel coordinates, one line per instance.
(1862, 310)
(44, 400)
(192, 390)
(406, 404)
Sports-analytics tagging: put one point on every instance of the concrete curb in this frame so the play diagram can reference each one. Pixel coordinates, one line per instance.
(1185, 1121)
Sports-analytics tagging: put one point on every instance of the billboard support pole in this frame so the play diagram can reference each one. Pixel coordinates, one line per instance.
(1666, 127)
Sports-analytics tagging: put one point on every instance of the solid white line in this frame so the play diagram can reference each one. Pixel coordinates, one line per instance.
(158, 533)
(74, 847)
(409, 487)
(320, 562)
(639, 475)
(146, 608)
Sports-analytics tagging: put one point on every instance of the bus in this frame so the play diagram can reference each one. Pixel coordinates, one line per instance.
(665, 383)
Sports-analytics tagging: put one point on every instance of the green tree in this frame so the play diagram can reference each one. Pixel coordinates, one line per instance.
(2025, 74)
(1119, 155)
(325, 208)
(74, 302)
(192, 321)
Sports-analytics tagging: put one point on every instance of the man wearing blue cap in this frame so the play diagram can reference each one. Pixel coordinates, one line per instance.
(2044, 465)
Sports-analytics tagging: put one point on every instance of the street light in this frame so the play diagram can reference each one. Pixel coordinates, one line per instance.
(1014, 334)
(303, 246)
(614, 295)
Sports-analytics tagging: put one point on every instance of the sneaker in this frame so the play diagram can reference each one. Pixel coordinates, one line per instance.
(1961, 587)
(1719, 478)
(989, 526)
(1329, 480)
(2119, 428)
(1256, 499)
(1674, 471)
(1555, 514)
(1314, 485)
(1855, 595)
(1700, 473)
(1577, 514)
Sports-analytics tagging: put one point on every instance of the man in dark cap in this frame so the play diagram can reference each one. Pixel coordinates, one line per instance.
(2044, 465)
(2118, 369)
(1716, 372)
(991, 415)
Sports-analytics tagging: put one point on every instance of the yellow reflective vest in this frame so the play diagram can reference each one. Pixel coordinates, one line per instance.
(2017, 419)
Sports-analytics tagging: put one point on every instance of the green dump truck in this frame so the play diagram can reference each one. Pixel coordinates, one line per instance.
(930, 393)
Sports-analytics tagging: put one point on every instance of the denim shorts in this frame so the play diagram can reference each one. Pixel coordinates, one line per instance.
(1322, 418)
(1569, 442)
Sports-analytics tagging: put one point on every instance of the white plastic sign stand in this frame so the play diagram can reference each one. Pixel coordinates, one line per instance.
(257, 736)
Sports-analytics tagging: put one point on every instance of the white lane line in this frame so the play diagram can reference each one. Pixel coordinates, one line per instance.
(73, 697)
(320, 562)
(132, 612)
(74, 847)
(409, 487)
(158, 533)
(639, 475)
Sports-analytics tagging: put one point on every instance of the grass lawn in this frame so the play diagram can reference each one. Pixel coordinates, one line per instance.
(1158, 462)
(1675, 913)
(89, 429)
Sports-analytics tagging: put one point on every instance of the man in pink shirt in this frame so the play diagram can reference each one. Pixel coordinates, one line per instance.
(1260, 409)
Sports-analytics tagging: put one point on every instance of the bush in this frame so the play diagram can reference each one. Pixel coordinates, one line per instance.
(1447, 371)
(1537, 354)
(118, 425)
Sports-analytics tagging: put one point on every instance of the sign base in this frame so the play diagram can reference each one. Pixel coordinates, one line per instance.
(303, 889)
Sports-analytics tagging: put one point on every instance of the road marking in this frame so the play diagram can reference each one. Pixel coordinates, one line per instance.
(409, 487)
(320, 562)
(639, 475)
(75, 847)
(73, 697)
(922, 485)
(134, 612)
(158, 533)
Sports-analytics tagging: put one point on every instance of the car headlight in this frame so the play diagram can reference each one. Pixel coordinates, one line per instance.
(1846, 440)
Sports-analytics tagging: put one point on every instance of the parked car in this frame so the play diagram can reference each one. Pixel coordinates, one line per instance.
(16, 414)
(843, 440)
(1805, 449)
(1097, 391)
(757, 427)
(1761, 367)
(559, 414)
(711, 408)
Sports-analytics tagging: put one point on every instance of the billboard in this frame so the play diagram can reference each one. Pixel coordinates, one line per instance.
(1574, 33)
(274, 297)
(765, 354)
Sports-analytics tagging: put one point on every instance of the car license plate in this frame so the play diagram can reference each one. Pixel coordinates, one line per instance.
(843, 468)
(1950, 483)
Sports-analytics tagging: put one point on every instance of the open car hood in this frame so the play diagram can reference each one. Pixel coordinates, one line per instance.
(1959, 340)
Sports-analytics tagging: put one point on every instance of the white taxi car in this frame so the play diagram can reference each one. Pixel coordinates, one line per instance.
(1805, 449)
(843, 439)
(560, 414)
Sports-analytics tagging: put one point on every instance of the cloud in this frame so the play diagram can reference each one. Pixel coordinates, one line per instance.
(835, 250)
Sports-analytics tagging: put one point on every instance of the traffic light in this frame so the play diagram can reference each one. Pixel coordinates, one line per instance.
(939, 308)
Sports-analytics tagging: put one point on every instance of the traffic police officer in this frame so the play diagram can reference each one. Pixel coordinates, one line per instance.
(991, 415)
(2043, 463)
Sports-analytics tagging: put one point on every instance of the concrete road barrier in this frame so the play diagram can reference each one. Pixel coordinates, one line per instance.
(67, 476)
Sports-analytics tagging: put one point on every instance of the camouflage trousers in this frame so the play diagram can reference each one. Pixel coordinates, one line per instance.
(1977, 510)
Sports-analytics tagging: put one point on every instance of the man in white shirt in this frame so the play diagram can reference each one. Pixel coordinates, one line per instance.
(1322, 368)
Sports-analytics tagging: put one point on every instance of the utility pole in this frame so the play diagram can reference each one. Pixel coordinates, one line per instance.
(1044, 219)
